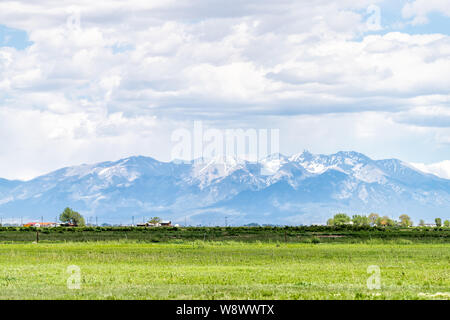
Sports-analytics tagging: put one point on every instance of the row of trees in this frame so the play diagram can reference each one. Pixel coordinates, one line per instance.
(75, 218)
(374, 219)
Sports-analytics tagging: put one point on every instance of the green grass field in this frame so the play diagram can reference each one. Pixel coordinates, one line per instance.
(198, 269)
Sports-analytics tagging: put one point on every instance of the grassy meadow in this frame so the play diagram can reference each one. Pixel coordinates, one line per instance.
(197, 269)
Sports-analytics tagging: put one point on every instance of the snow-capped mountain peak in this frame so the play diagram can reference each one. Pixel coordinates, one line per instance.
(277, 189)
(272, 163)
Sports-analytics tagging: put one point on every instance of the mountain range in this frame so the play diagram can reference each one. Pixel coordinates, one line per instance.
(301, 189)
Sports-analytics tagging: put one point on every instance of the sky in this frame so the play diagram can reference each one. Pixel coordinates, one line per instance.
(89, 81)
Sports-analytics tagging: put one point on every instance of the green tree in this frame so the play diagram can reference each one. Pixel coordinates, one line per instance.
(385, 221)
(70, 216)
(341, 218)
(155, 220)
(405, 220)
(438, 222)
(359, 220)
(330, 222)
(421, 223)
(447, 223)
(373, 217)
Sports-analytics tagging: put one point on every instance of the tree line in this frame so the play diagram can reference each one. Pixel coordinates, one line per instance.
(374, 219)
(74, 218)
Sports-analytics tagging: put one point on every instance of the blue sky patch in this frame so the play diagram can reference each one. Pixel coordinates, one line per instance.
(120, 48)
(14, 38)
(393, 21)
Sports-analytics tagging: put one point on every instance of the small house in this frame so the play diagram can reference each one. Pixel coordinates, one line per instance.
(40, 224)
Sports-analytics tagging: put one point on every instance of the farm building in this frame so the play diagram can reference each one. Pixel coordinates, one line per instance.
(41, 224)
(159, 224)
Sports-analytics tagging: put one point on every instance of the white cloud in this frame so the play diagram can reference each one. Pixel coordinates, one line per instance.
(418, 10)
(35, 141)
(428, 116)
(440, 169)
(131, 71)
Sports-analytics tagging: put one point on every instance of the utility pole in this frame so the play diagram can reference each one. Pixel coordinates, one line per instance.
(226, 222)
(132, 219)
(96, 221)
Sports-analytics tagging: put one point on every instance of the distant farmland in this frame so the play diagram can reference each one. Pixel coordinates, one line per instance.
(225, 263)
(307, 234)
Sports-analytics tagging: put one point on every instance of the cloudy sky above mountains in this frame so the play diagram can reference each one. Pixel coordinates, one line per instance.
(87, 81)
